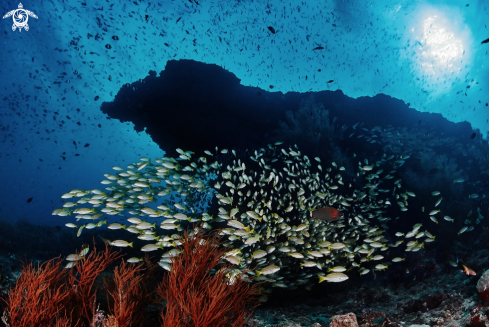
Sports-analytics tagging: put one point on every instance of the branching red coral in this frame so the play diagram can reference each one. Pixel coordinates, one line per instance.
(83, 291)
(130, 291)
(38, 297)
(126, 293)
(53, 296)
(196, 298)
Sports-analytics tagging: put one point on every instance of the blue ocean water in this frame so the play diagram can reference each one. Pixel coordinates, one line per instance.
(86, 86)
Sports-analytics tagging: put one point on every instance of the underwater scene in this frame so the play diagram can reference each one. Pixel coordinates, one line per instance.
(244, 163)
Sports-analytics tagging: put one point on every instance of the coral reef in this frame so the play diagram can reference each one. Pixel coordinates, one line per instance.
(346, 320)
(397, 305)
(194, 293)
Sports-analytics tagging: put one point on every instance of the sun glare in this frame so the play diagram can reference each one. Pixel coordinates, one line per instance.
(440, 50)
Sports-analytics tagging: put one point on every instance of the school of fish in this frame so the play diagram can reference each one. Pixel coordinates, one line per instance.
(283, 212)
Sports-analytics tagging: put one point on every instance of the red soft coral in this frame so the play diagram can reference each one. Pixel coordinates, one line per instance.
(38, 297)
(196, 298)
(52, 296)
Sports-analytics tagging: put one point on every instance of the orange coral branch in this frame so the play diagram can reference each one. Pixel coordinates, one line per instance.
(126, 293)
(51, 296)
(38, 295)
(83, 290)
(196, 298)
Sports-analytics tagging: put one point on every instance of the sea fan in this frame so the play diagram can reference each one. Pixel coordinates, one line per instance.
(196, 297)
